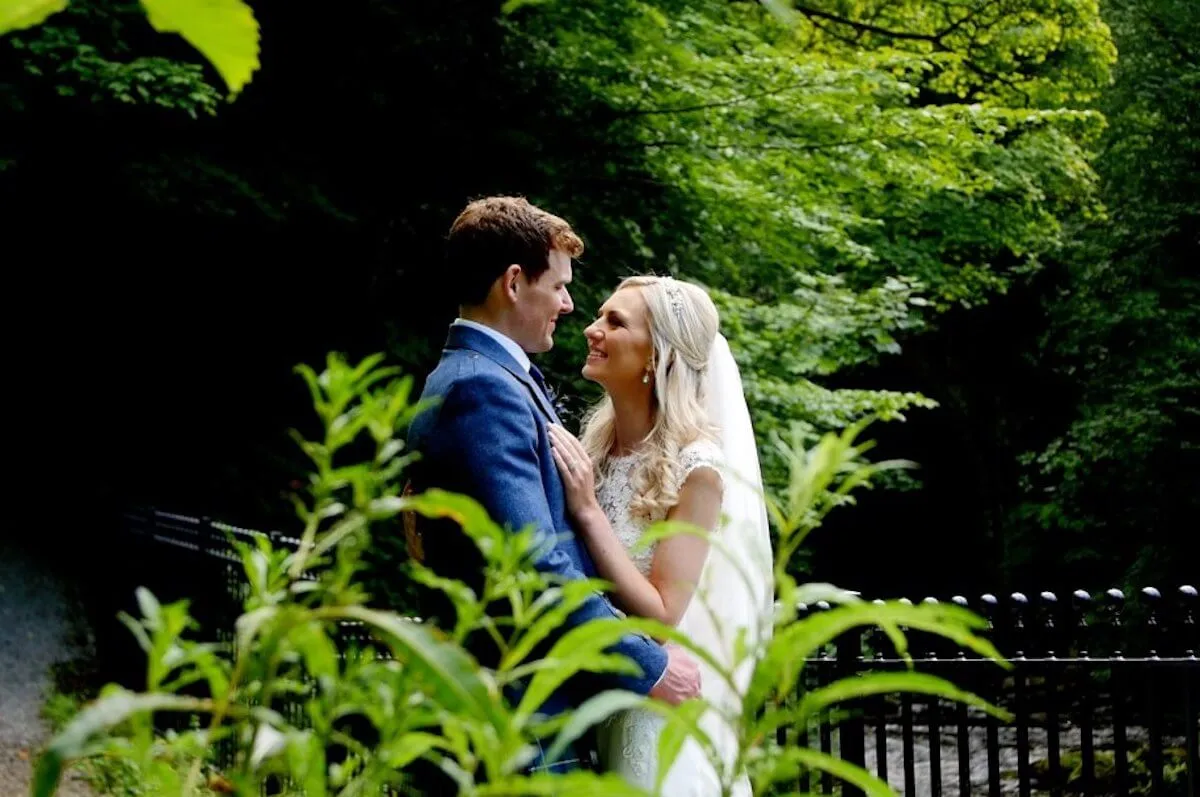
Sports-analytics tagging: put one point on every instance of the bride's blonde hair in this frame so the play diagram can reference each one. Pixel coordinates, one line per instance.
(683, 324)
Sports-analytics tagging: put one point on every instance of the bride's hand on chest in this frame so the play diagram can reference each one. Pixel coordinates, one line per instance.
(575, 468)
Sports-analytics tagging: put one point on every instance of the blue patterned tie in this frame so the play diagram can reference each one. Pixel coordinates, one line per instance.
(541, 383)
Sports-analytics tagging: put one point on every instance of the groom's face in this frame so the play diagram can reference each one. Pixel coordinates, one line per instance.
(540, 302)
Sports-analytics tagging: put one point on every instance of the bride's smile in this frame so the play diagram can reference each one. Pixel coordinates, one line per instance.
(620, 347)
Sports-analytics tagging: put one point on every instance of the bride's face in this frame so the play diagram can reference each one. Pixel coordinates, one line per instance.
(619, 344)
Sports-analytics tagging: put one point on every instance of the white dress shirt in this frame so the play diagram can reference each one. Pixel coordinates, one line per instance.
(508, 343)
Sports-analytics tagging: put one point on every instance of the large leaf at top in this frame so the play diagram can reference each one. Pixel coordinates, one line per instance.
(20, 14)
(224, 31)
(105, 713)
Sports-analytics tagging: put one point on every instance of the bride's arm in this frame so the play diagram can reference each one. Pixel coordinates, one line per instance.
(678, 560)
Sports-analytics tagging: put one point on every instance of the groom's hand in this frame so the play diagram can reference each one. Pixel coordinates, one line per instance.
(680, 681)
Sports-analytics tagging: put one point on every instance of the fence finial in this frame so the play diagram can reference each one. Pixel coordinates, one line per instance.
(1083, 602)
(1153, 596)
(1050, 606)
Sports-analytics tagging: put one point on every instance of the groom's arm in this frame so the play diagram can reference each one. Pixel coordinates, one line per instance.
(486, 424)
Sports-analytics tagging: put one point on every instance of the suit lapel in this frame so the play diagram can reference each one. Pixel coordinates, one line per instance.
(461, 337)
(525, 379)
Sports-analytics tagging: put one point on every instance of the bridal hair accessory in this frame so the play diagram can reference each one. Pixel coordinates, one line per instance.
(674, 296)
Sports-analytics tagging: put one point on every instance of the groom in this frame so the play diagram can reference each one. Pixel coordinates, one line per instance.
(509, 264)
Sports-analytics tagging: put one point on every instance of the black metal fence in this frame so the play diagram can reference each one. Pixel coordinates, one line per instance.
(1104, 687)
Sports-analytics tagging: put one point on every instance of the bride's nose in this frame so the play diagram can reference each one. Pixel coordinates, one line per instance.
(592, 333)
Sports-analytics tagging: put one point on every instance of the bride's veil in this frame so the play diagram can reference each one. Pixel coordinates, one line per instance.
(731, 612)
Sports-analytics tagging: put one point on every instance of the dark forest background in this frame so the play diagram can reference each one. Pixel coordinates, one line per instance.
(978, 221)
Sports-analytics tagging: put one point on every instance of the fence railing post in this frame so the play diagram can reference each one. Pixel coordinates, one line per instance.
(1082, 603)
(1191, 685)
(852, 730)
(1117, 689)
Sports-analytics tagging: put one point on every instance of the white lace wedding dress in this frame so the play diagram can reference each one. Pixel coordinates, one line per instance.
(628, 741)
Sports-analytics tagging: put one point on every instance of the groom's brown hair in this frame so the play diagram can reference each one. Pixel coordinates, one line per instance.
(496, 232)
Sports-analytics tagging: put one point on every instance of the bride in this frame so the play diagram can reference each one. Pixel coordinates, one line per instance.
(672, 440)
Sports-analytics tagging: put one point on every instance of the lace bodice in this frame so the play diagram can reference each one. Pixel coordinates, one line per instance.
(616, 494)
(628, 740)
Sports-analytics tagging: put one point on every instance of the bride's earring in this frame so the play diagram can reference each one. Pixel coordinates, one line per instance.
(646, 376)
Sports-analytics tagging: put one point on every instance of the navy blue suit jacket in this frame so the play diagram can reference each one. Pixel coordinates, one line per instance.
(485, 436)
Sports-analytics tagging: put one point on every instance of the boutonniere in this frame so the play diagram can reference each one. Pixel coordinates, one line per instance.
(557, 401)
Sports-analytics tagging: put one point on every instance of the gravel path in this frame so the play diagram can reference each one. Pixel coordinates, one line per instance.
(34, 634)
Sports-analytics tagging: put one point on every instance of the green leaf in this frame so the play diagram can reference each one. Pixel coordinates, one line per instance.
(456, 682)
(569, 597)
(554, 785)
(21, 14)
(408, 748)
(268, 742)
(577, 650)
(457, 591)
(135, 628)
(390, 449)
(595, 710)
(463, 510)
(150, 607)
(813, 592)
(882, 683)
(250, 623)
(224, 31)
(815, 759)
(320, 655)
(681, 724)
(946, 620)
(105, 713)
(306, 755)
(316, 394)
(792, 645)
(511, 6)
(342, 529)
(256, 563)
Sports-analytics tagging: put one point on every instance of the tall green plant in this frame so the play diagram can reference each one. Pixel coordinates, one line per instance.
(422, 695)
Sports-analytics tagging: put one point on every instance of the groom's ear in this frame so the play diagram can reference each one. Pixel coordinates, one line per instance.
(510, 281)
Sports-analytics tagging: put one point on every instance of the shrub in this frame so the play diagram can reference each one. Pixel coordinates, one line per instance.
(292, 705)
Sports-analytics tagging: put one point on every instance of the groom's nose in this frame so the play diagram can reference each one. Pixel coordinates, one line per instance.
(567, 304)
